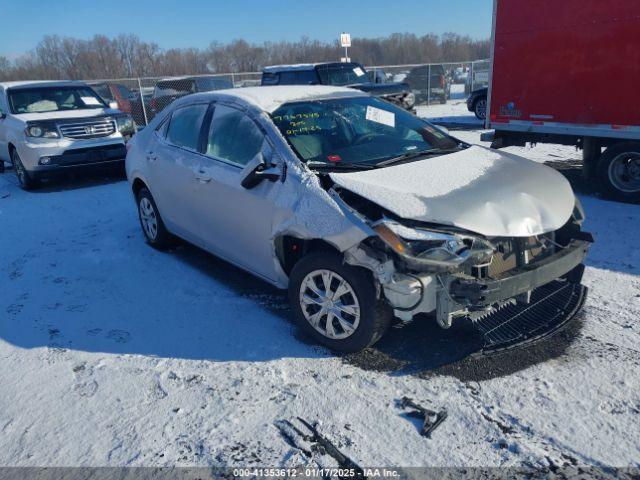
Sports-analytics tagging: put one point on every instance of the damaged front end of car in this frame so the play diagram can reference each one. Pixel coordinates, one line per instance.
(435, 269)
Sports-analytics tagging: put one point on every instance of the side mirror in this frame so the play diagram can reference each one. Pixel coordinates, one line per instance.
(259, 170)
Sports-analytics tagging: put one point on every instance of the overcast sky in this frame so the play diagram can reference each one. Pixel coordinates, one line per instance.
(195, 23)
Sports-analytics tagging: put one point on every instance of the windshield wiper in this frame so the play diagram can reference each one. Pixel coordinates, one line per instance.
(413, 155)
(340, 166)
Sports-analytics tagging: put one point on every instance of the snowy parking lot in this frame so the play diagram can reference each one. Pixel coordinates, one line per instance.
(115, 354)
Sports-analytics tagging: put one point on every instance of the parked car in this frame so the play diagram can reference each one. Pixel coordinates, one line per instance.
(51, 127)
(478, 77)
(429, 83)
(362, 210)
(119, 96)
(166, 91)
(352, 75)
(377, 75)
(460, 75)
(477, 103)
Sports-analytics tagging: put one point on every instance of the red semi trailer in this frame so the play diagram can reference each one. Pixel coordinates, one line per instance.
(568, 72)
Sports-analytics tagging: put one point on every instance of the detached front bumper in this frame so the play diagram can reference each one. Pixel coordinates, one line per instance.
(458, 295)
(486, 292)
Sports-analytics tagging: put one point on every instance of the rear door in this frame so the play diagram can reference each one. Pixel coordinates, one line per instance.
(236, 223)
(173, 162)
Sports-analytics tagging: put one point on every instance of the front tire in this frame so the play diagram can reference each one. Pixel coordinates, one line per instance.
(27, 182)
(152, 225)
(480, 109)
(337, 304)
(619, 171)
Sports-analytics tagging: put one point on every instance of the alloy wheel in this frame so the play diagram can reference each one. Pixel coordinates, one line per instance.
(148, 218)
(19, 168)
(329, 303)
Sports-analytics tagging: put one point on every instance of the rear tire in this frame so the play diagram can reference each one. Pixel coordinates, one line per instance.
(152, 225)
(27, 182)
(619, 171)
(358, 318)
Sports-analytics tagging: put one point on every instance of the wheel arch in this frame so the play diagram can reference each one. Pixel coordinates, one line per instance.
(290, 249)
(137, 185)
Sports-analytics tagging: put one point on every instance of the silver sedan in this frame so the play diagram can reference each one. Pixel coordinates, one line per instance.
(362, 210)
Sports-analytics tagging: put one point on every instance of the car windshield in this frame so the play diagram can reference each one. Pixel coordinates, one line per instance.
(357, 132)
(342, 74)
(54, 99)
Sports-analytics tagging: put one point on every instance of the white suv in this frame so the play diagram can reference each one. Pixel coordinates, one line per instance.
(50, 127)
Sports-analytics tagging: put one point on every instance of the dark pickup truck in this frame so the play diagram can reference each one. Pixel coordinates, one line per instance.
(352, 75)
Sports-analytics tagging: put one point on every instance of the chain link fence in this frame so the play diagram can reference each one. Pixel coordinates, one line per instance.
(144, 98)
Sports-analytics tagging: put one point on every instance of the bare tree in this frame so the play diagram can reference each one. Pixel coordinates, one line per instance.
(127, 56)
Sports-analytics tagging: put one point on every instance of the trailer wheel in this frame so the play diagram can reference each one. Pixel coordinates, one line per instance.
(619, 171)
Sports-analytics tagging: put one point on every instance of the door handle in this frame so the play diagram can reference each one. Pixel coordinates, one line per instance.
(151, 156)
(203, 177)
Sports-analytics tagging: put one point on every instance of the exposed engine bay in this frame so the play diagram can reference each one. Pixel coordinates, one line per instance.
(428, 268)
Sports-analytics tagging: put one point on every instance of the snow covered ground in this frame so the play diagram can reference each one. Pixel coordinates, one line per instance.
(112, 353)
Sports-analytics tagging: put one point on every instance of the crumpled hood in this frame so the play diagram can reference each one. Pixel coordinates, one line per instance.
(485, 191)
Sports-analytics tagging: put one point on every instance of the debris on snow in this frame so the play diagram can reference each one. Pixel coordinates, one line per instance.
(306, 438)
(430, 419)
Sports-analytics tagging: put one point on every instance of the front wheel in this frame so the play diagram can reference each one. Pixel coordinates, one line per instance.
(480, 109)
(619, 171)
(26, 181)
(336, 304)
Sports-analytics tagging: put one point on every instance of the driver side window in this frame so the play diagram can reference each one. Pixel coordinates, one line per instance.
(233, 136)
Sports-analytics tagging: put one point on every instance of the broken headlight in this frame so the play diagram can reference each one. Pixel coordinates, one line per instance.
(445, 251)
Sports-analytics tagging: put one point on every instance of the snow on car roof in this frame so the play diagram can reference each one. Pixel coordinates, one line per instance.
(295, 67)
(299, 67)
(270, 98)
(40, 83)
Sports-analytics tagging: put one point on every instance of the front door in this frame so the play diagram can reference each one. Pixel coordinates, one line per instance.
(236, 222)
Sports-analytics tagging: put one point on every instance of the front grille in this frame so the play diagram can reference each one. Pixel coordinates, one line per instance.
(89, 129)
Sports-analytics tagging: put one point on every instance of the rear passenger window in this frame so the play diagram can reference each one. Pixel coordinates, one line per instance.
(233, 136)
(184, 126)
